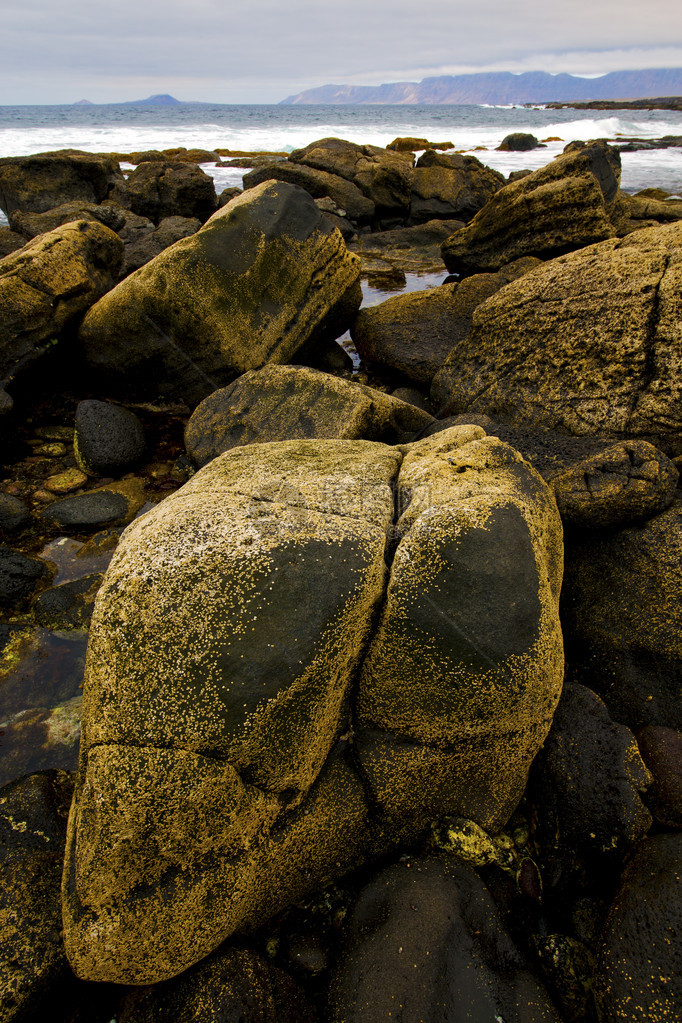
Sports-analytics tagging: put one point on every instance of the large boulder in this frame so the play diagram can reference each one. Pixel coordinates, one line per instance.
(622, 614)
(640, 962)
(264, 278)
(453, 186)
(561, 207)
(170, 189)
(47, 284)
(295, 402)
(217, 778)
(317, 183)
(586, 344)
(414, 333)
(38, 183)
(382, 175)
(425, 942)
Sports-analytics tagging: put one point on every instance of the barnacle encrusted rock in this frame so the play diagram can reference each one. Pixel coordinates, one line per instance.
(264, 277)
(236, 751)
(587, 344)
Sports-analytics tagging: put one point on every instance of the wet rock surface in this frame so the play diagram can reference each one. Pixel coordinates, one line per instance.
(33, 814)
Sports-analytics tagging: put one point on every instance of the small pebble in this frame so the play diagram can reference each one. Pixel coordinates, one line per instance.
(44, 496)
(65, 482)
(54, 450)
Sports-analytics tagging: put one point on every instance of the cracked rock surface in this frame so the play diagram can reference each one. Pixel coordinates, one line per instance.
(588, 344)
(237, 753)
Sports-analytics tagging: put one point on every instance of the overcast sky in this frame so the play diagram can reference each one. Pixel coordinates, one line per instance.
(259, 51)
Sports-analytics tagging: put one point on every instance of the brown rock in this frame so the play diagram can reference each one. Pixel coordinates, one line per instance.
(415, 333)
(317, 183)
(42, 182)
(46, 284)
(562, 206)
(586, 344)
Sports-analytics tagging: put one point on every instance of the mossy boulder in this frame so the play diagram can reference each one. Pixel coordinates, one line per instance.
(38, 183)
(218, 782)
(588, 344)
(292, 402)
(47, 284)
(561, 207)
(266, 277)
(30, 225)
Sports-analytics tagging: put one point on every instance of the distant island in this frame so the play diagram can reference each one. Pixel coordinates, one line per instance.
(160, 100)
(503, 87)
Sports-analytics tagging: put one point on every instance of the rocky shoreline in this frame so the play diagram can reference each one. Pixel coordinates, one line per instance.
(381, 712)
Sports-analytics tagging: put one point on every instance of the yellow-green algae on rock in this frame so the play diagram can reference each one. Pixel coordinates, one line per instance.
(225, 770)
(266, 275)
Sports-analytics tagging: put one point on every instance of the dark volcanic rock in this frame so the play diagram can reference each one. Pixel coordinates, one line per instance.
(265, 278)
(150, 243)
(452, 186)
(518, 142)
(68, 606)
(164, 187)
(587, 779)
(13, 512)
(622, 618)
(624, 483)
(562, 206)
(661, 750)
(33, 815)
(425, 942)
(19, 575)
(34, 184)
(233, 986)
(169, 189)
(640, 977)
(383, 176)
(108, 440)
(10, 241)
(288, 402)
(115, 503)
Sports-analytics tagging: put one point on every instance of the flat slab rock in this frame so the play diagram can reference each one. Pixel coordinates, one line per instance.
(283, 585)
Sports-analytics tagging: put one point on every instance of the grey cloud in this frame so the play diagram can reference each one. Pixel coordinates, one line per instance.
(304, 42)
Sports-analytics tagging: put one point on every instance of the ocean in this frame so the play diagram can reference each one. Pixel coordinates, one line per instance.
(474, 129)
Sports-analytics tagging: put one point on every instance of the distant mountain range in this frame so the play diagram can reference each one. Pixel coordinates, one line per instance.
(501, 87)
(160, 100)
